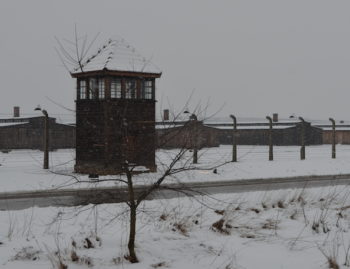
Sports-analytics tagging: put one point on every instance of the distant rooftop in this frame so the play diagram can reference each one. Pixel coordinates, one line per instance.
(261, 123)
(281, 121)
(117, 55)
(6, 124)
(18, 119)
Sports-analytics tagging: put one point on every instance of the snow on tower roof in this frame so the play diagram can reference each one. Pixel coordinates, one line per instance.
(117, 55)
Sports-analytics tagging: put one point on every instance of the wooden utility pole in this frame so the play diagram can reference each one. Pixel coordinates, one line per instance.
(333, 137)
(270, 139)
(234, 139)
(302, 149)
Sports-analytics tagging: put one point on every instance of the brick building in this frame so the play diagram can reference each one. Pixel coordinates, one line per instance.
(28, 132)
(186, 134)
(283, 134)
(342, 134)
(175, 134)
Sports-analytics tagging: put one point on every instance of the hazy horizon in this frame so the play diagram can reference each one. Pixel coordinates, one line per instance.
(248, 58)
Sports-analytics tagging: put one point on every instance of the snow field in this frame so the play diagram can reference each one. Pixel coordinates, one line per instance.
(294, 228)
(22, 169)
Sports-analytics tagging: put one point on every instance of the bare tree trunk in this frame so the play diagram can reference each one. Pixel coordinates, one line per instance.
(132, 234)
(132, 205)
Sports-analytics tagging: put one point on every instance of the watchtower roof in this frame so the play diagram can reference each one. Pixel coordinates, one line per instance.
(116, 55)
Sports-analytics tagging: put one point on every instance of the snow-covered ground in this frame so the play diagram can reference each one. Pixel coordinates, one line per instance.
(293, 228)
(22, 169)
(276, 229)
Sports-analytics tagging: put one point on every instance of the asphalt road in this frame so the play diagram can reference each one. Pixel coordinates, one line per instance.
(83, 196)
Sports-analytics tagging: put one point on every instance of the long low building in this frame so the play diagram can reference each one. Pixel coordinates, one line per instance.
(28, 133)
(185, 135)
(258, 134)
(342, 134)
(255, 132)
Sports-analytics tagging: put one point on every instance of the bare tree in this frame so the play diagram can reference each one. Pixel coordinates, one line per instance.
(75, 54)
(179, 162)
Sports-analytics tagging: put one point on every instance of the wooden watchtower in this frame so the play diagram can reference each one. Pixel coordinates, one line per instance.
(115, 111)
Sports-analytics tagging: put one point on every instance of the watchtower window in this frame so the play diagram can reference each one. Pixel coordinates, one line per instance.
(93, 88)
(101, 88)
(148, 89)
(116, 88)
(97, 88)
(82, 89)
(130, 89)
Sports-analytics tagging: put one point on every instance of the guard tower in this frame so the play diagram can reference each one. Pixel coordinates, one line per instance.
(115, 110)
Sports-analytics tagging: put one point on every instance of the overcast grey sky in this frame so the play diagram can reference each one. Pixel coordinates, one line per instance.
(256, 57)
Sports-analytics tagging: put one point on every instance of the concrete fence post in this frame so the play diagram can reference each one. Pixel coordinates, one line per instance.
(46, 136)
(270, 139)
(194, 134)
(302, 149)
(333, 138)
(196, 138)
(234, 138)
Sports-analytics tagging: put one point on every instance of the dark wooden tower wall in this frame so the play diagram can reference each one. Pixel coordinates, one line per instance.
(115, 121)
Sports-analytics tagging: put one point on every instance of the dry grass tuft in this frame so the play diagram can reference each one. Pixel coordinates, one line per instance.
(159, 264)
(245, 235)
(88, 243)
(74, 257)
(294, 215)
(221, 227)
(87, 261)
(331, 254)
(333, 264)
(270, 224)
(164, 217)
(315, 226)
(117, 260)
(181, 227)
(27, 254)
(61, 265)
(320, 224)
(257, 211)
(280, 204)
(220, 212)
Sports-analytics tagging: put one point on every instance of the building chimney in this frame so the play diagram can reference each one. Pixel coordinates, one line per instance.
(275, 117)
(16, 112)
(166, 114)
